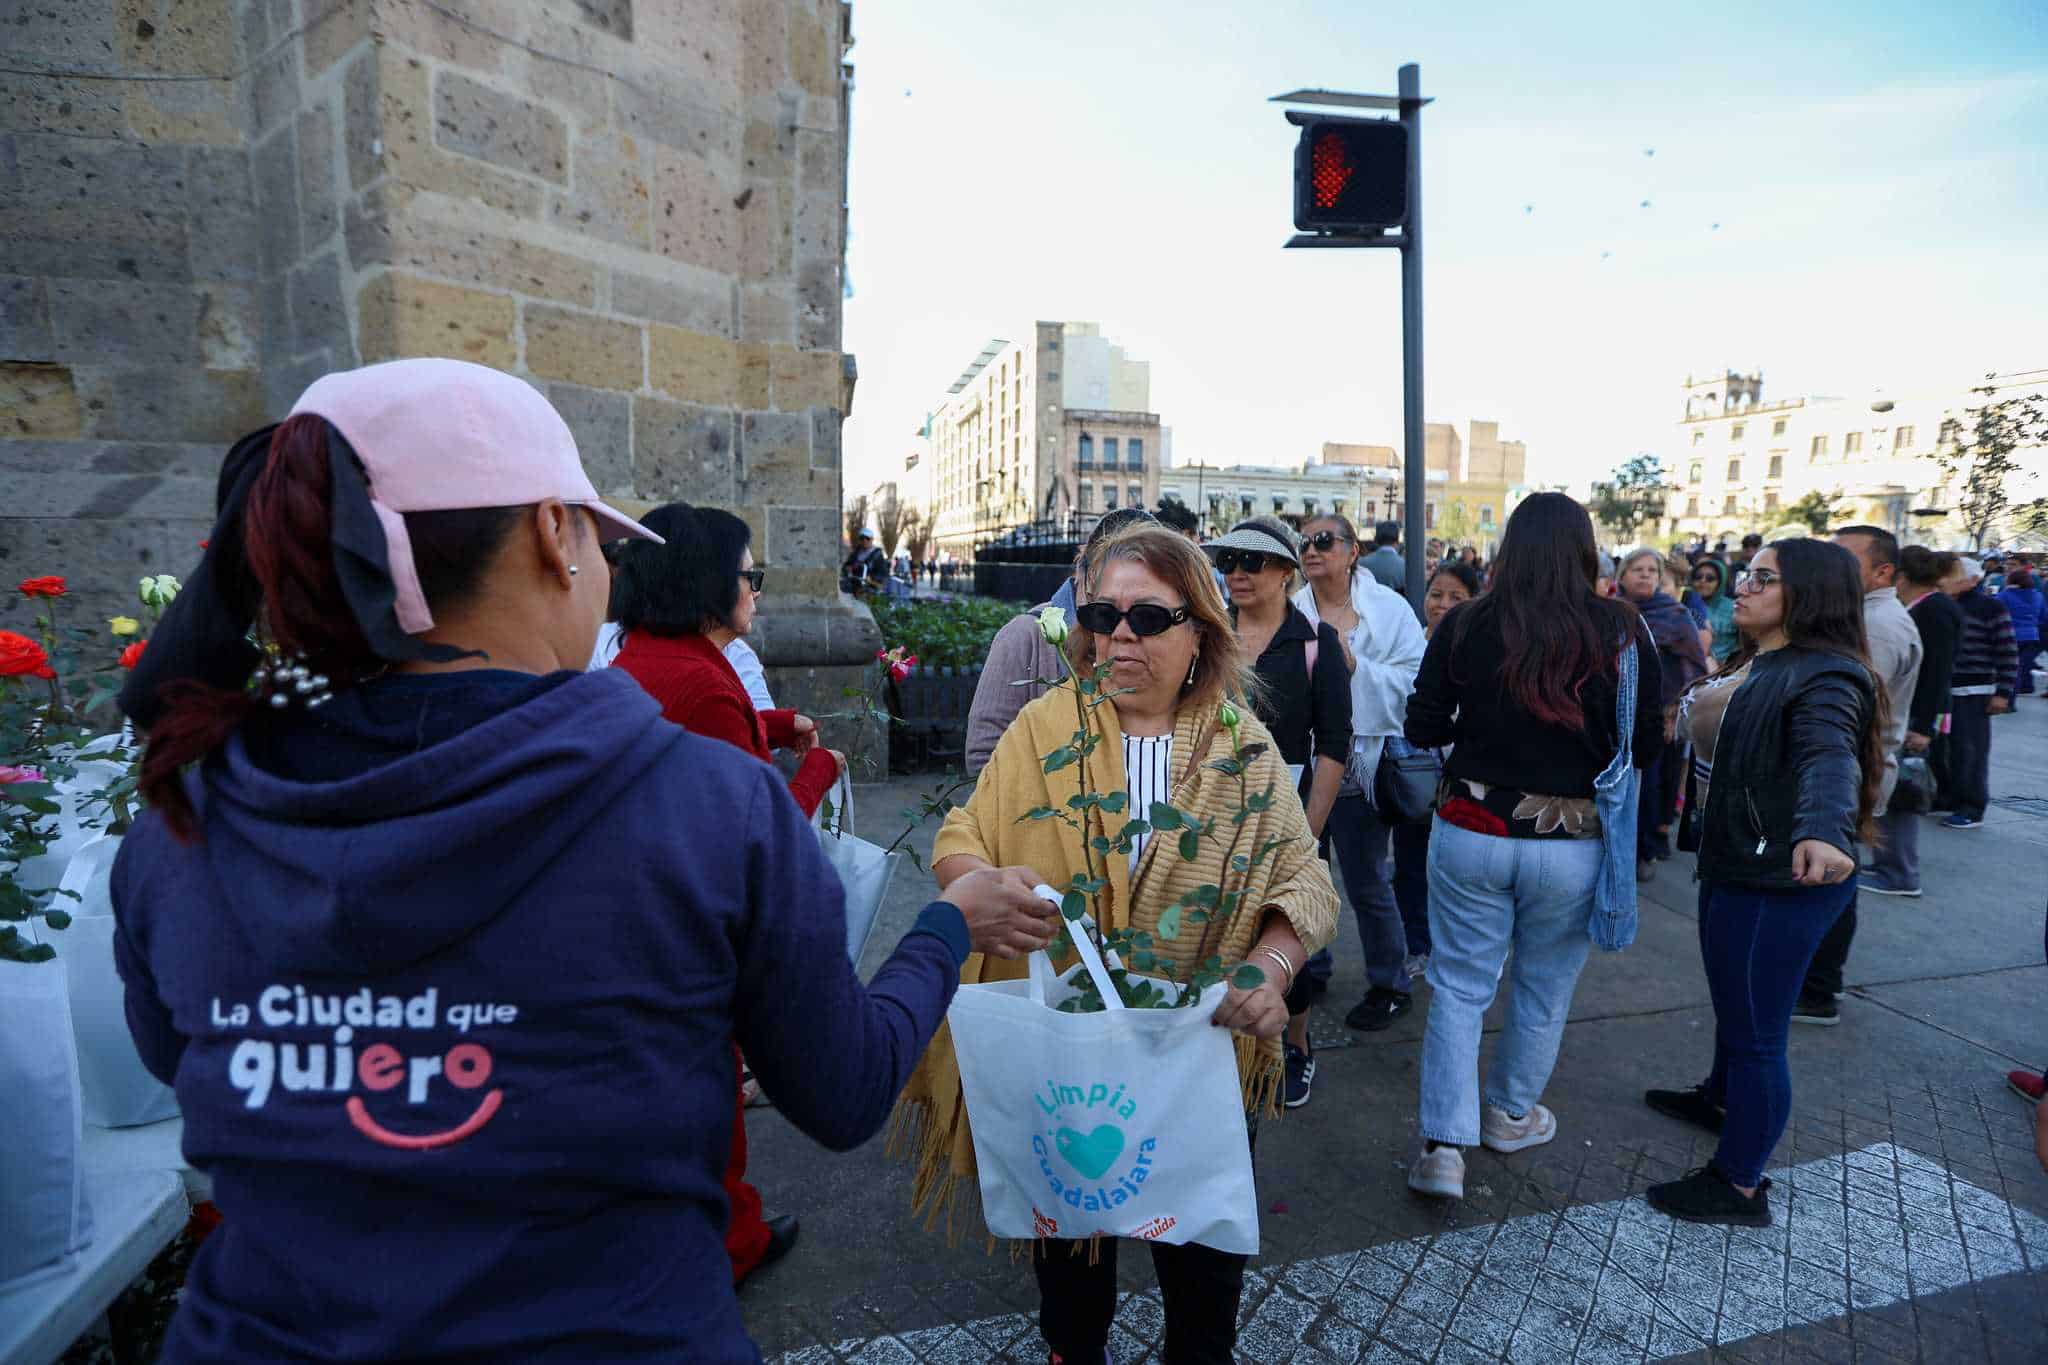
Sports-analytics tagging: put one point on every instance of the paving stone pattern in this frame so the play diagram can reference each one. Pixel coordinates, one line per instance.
(1908, 1248)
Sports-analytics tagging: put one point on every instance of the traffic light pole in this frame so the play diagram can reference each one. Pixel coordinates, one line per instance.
(1408, 103)
(1411, 338)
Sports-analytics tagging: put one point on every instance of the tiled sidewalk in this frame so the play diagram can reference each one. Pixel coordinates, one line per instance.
(1897, 1239)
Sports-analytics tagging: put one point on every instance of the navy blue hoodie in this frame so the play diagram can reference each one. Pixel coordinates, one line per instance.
(448, 993)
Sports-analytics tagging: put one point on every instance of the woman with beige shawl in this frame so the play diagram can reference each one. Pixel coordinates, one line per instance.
(1151, 612)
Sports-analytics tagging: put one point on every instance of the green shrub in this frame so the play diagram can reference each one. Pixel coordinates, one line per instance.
(945, 632)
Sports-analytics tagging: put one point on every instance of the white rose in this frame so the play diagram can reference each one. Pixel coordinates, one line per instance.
(1052, 624)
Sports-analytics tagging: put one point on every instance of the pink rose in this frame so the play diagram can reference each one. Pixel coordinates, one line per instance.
(12, 775)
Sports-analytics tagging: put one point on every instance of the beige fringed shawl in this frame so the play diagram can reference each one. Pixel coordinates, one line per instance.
(930, 1123)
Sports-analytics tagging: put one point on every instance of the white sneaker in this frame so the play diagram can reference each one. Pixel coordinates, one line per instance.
(1504, 1134)
(1439, 1171)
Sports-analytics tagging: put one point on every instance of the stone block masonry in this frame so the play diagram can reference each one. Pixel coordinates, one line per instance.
(636, 205)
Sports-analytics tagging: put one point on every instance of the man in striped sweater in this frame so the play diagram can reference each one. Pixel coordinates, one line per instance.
(1987, 660)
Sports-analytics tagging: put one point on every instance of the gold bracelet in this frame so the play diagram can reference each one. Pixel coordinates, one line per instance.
(1281, 958)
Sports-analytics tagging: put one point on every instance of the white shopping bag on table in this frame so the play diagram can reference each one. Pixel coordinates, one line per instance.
(864, 869)
(118, 1091)
(1123, 1123)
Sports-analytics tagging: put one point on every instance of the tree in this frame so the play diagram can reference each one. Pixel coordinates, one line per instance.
(1816, 509)
(889, 512)
(1985, 461)
(917, 536)
(1635, 495)
(856, 517)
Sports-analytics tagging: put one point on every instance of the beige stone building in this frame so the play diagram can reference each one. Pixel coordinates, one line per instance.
(637, 205)
(1054, 428)
(1742, 462)
(1224, 494)
(1471, 484)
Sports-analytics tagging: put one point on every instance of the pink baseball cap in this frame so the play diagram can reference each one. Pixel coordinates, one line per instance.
(439, 435)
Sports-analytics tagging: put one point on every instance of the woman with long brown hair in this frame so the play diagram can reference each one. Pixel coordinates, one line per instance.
(1523, 681)
(1792, 771)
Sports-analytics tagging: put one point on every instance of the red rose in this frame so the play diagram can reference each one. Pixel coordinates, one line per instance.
(50, 585)
(1466, 814)
(202, 545)
(21, 656)
(133, 654)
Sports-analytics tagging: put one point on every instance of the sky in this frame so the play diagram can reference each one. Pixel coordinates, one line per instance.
(1876, 171)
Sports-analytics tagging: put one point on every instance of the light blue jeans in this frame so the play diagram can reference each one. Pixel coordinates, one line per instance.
(1487, 895)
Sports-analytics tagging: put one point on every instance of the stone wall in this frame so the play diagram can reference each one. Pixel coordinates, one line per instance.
(638, 205)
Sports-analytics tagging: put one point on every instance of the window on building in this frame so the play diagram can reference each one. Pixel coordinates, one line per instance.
(1735, 471)
(1372, 510)
(1087, 497)
(1819, 446)
(1136, 493)
(1109, 452)
(1728, 506)
(1087, 450)
(1134, 453)
(1279, 503)
(1486, 515)
(1951, 431)
(1698, 436)
(1735, 432)
(1337, 505)
(1429, 516)
(1109, 501)
(1694, 475)
(1770, 502)
(1245, 503)
(1902, 439)
(1777, 467)
(1692, 507)
(1852, 443)
(1308, 507)
(1778, 427)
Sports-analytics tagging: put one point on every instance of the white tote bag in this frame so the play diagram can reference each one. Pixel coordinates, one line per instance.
(118, 1091)
(44, 1220)
(864, 869)
(1124, 1123)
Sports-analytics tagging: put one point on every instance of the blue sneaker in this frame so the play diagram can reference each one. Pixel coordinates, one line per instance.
(1960, 822)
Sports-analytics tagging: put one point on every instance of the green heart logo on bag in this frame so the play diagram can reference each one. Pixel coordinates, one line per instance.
(1094, 1154)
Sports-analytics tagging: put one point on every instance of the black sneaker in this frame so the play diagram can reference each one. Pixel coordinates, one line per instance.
(1301, 1073)
(1819, 1010)
(1705, 1196)
(1380, 1008)
(1689, 1106)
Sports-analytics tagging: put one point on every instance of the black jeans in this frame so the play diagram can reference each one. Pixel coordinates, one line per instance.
(1969, 738)
(1824, 975)
(1411, 883)
(1200, 1286)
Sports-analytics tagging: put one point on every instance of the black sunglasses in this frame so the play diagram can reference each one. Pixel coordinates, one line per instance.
(1252, 561)
(1145, 618)
(755, 577)
(1326, 540)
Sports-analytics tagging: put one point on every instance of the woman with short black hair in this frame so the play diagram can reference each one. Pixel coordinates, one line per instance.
(680, 603)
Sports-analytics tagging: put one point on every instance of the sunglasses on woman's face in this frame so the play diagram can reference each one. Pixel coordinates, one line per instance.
(1326, 541)
(755, 578)
(1706, 576)
(1145, 618)
(1251, 561)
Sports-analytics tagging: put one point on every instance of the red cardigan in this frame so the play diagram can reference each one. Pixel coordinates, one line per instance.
(699, 691)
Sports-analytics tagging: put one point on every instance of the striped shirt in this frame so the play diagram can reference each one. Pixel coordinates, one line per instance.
(1148, 777)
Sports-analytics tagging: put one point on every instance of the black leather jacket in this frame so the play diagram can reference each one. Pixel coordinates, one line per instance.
(1787, 766)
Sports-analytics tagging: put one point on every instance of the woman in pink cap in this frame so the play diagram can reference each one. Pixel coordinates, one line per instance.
(443, 941)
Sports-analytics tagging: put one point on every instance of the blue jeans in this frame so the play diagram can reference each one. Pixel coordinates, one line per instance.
(1488, 894)
(1360, 842)
(1411, 883)
(1756, 946)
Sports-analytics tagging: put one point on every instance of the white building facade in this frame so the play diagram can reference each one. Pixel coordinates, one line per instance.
(1742, 462)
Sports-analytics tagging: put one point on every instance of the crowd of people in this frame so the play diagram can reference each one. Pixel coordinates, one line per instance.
(566, 920)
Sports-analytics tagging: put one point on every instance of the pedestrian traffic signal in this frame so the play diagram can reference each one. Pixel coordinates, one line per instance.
(1350, 175)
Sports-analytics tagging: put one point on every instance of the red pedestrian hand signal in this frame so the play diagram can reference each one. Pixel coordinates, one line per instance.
(1332, 168)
